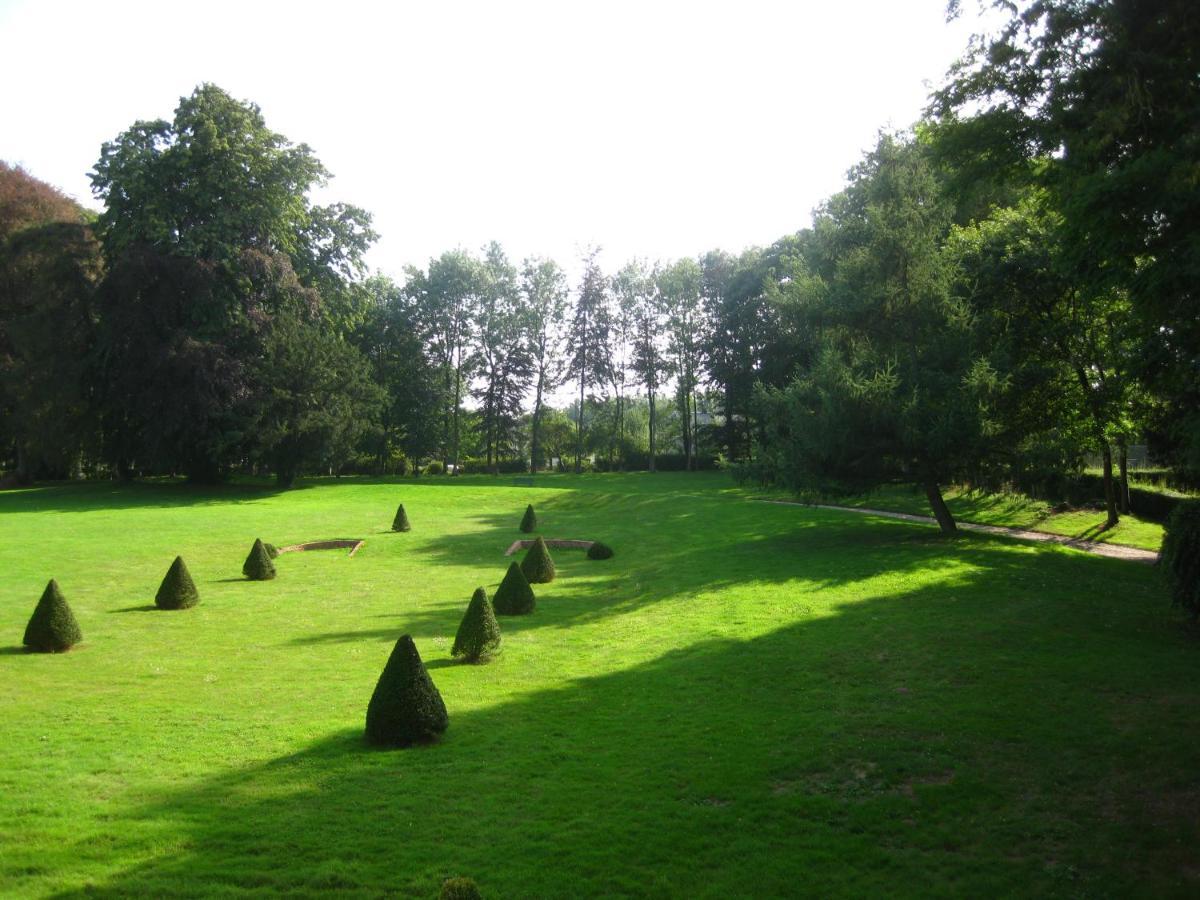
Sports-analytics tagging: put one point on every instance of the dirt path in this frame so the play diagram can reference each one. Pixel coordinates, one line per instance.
(1115, 551)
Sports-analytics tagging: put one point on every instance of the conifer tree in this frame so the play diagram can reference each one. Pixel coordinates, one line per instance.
(400, 523)
(406, 707)
(514, 597)
(52, 627)
(258, 565)
(479, 632)
(177, 590)
(537, 565)
(529, 523)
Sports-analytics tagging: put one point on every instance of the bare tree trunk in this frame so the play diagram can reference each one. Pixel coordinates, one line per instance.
(1124, 462)
(1110, 492)
(941, 512)
(579, 433)
(535, 438)
(695, 434)
(650, 397)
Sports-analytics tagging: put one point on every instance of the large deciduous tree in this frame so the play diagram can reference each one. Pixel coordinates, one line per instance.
(587, 340)
(544, 292)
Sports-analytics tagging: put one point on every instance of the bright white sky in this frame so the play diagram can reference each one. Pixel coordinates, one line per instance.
(655, 129)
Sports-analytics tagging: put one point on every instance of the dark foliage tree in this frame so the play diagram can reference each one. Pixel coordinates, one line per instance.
(479, 633)
(587, 340)
(678, 288)
(537, 565)
(52, 627)
(1181, 556)
(405, 708)
(544, 291)
(258, 565)
(400, 523)
(177, 590)
(514, 597)
(642, 308)
(529, 520)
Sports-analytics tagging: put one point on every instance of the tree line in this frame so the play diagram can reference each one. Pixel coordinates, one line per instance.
(998, 292)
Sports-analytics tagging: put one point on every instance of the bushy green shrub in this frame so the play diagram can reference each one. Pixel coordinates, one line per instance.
(514, 597)
(272, 550)
(1181, 556)
(177, 590)
(529, 522)
(479, 632)
(400, 523)
(537, 564)
(52, 627)
(258, 565)
(460, 889)
(435, 468)
(599, 550)
(406, 707)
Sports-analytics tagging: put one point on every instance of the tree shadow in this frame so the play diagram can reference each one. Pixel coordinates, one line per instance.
(945, 740)
(149, 607)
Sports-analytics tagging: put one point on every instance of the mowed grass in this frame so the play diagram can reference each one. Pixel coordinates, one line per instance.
(747, 700)
(1013, 511)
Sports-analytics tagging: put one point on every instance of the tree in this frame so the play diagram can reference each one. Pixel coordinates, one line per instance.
(405, 707)
(177, 590)
(400, 522)
(52, 627)
(537, 565)
(587, 340)
(529, 520)
(258, 565)
(641, 305)
(544, 289)
(898, 387)
(479, 633)
(514, 597)
(679, 289)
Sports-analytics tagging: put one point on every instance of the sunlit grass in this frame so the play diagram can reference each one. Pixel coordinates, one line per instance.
(746, 700)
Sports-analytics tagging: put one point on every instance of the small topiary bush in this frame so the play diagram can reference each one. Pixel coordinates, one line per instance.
(460, 889)
(400, 523)
(258, 565)
(514, 597)
(529, 522)
(537, 564)
(479, 632)
(1181, 556)
(272, 550)
(177, 590)
(435, 468)
(406, 707)
(599, 550)
(52, 627)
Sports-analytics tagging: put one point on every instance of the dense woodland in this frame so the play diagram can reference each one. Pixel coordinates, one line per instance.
(1000, 291)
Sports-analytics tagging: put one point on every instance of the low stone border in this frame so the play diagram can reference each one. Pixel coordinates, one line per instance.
(550, 542)
(353, 544)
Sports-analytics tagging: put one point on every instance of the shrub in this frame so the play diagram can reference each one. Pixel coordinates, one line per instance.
(479, 632)
(52, 627)
(400, 523)
(435, 468)
(514, 597)
(460, 889)
(599, 550)
(258, 565)
(1181, 556)
(406, 707)
(529, 522)
(177, 590)
(537, 564)
(272, 550)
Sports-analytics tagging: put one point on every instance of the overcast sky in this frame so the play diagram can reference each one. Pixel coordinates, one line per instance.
(651, 129)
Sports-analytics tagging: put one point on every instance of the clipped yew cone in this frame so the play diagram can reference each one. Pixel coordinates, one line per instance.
(177, 590)
(52, 627)
(406, 707)
(258, 565)
(514, 597)
(479, 633)
(529, 522)
(400, 523)
(537, 564)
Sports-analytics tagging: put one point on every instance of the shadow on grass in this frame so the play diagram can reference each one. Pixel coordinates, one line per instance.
(948, 740)
(149, 607)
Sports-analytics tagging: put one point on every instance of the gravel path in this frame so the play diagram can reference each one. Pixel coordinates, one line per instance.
(1115, 551)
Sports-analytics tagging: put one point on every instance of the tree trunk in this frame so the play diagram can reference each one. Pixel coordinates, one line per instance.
(1124, 461)
(535, 437)
(695, 434)
(579, 433)
(22, 465)
(650, 396)
(941, 512)
(1110, 491)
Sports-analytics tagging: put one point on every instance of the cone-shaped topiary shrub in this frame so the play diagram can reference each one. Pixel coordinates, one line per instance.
(272, 550)
(258, 565)
(406, 707)
(52, 627)
(177, 590)
(529, 522)
(400, 523)
(479, 632)
(537, 564)
(599, 550)
(514, 597)
(1181, 555)
(460, 889)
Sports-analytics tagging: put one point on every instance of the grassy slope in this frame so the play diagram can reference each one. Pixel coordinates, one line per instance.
(746, 699)
(1014, 511)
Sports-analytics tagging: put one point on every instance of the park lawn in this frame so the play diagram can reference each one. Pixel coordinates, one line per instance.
(1011, 510)
(748, 699)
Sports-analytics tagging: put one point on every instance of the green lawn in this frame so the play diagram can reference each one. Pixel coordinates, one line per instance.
(1012, 510)
(747, 700)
